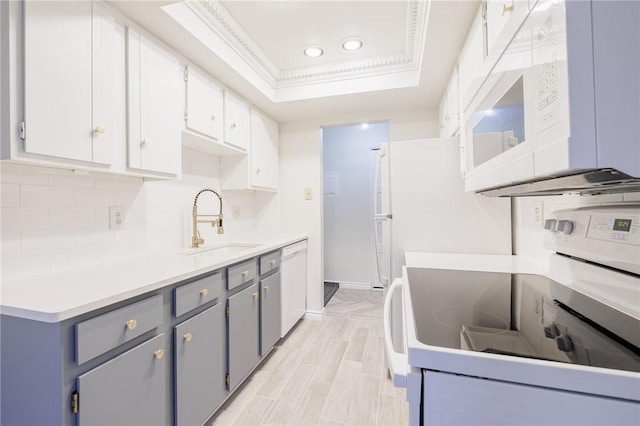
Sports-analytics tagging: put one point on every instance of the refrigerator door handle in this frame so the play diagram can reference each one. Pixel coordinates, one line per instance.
(377, 216)
(383, 216)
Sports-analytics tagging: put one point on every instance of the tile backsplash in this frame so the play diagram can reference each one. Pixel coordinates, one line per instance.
(54, 219)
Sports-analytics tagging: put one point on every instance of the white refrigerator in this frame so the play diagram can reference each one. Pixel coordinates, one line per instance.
(420, 205)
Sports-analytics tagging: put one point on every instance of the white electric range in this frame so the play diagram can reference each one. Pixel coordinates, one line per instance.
(499, 348)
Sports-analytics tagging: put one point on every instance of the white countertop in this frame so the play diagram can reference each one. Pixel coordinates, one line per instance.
(474, 262)
(58, 296)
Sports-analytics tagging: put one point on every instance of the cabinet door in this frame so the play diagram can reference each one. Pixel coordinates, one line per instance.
(200, 367)
(204, 104)
(472, 59)
(244, 351)
(155, 116)
(128, 390)
(269, 312)
(236, 121)
(58, 78)
(264, 151)
(503, 19)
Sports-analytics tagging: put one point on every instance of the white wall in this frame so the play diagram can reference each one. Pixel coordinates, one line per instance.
(348, 240)
(301, 166)
(55, 219)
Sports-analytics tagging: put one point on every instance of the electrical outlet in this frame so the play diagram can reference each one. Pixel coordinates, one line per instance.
(116, 217)
(538, 213)
(307, 194)
(235, 211)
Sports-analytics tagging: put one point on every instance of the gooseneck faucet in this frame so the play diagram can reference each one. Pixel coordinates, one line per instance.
(196, 240)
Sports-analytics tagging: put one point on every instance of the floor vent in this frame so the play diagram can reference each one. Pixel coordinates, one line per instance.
(330, 289)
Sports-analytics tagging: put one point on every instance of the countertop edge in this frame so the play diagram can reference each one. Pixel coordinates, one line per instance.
(22, 310)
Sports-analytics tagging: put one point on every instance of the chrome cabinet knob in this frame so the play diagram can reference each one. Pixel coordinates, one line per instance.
(187, 337)
(233, 126)
(145, 142)
(99, 130)
(131, 324)
(159, 354)
(204, 292)
(272, 263)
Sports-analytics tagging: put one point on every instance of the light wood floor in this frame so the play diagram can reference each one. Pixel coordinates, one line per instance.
(327, 372)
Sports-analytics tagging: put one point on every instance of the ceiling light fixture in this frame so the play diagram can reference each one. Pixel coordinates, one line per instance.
(313, 51)
(352, 44)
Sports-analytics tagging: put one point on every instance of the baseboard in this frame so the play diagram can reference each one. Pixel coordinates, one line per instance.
(314, 315)
(347, 285)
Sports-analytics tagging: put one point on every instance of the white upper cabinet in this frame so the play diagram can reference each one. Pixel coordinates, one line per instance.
(503, 17)
(450, 108)
(69, 81)
(236, 121)
(264, 151)
(155, 106)
(204, 105)
(470, 63)
(259, 170)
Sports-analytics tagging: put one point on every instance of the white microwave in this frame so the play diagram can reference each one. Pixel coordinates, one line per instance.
(562, 100)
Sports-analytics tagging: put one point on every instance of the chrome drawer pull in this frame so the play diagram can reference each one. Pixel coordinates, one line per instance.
(131, 324)
(256, 294)
(266, 288)
(245, 274)
(273, 263)
(204, 292)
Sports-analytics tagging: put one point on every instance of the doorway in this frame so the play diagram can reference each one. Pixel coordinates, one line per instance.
(349, 157)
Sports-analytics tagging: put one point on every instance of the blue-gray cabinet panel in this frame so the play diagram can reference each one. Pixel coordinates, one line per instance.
(197, 293)
(128, 390)
(269, 312)
(244, 350)
(105, 332)
(200, 367)
(241, 273)
(269, 262)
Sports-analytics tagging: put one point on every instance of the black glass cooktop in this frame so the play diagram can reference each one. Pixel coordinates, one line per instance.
(520, 315)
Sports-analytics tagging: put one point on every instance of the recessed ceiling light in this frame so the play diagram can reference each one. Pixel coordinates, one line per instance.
(352, 44)
(364, 126)
(313, 51)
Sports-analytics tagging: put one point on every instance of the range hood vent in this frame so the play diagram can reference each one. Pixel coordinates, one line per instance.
(585, 182)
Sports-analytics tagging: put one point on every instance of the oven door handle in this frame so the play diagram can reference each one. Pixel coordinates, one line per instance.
(398, 362)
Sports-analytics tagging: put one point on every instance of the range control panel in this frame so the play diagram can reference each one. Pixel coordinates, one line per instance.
(624, 228)
(608, 235)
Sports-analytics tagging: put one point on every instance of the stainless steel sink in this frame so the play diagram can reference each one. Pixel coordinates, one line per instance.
(223, 249)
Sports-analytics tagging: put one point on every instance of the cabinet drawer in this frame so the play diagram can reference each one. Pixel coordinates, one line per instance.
(269, 262)
(105, 332)
(190, 296)
(240, 274)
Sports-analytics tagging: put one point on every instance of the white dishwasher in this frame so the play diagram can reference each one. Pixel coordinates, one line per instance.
(293, 275)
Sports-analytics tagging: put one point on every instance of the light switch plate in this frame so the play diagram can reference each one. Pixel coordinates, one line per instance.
(307, 194)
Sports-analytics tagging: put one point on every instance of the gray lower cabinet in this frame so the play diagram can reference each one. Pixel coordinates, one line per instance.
(244, 351)
(128, 390)
(200, 366)
(269, 312)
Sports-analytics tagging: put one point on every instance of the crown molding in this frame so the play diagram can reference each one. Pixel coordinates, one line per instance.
(216, 16)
